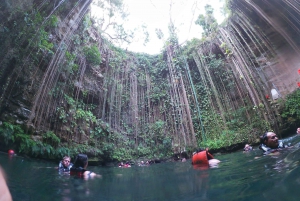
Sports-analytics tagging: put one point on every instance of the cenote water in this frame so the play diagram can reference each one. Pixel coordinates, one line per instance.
(240, 176)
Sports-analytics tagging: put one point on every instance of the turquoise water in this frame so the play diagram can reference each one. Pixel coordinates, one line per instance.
(240, 176)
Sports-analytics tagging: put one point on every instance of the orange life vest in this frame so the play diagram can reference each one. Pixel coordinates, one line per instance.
(201, 157)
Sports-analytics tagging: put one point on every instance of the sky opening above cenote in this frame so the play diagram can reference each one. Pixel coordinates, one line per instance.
(156, 14)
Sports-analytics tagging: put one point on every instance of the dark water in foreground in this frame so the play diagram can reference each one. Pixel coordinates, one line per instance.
(238, 177)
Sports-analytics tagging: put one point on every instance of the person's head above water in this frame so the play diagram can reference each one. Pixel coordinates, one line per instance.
(270, 139)
(66, 161)
(298, 130)
(247, 147)
(81, 161)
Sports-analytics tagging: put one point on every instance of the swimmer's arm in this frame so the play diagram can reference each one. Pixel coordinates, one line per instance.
(213, 162)
(90, 174)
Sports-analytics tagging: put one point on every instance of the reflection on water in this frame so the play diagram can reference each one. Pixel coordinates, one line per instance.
(239, 177)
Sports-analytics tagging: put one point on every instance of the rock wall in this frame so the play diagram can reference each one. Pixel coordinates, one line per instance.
(277, 20)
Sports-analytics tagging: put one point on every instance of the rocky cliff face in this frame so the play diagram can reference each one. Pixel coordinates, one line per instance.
(277, 20)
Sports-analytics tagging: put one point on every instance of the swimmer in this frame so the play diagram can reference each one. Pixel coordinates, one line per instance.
(298, 131)
(203, 157)
(65, 164)
(270, 143)
(79, 168)
(121, 164)
(142, 163)
(126, 165)
(247, 148)
(11, 152)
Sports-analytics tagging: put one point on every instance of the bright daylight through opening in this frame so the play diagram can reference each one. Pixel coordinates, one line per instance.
(146, 16)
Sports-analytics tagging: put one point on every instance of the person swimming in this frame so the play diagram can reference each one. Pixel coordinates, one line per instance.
(125, 165)
(65, 164)
(79, 167)
(270, 143)
(203, 157)
(248, 148)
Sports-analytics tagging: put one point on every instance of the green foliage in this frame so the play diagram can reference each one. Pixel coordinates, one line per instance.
(34, 22)
(97, 132)
(77, 116)
(87, 22)
(88, 116)
(108, 149)
(109, 23)
(49, 147)
(71, 66)
(226, 49)
(70, 57)
(62, 115)
(225, 139)
(291, 109)
(213, 82)
(92, 54)
(7, 131)
(50, 138)
(53, 21)
(27, 145)
(159, 33)
(46, 45)
(190, 47)
(122, 153)
(207, 22)
(158, 126)
(84, 148)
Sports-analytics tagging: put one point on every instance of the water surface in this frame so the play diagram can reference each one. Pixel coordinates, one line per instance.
(240, 176)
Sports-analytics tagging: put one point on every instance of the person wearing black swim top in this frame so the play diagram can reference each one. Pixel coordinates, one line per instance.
(79, 167)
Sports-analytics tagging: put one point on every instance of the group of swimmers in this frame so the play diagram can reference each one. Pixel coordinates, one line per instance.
(78, 168)
(125, 165)
(269, 144)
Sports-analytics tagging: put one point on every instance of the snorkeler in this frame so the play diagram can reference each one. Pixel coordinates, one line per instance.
(79, 167)
(270, 143)
(65, 164)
